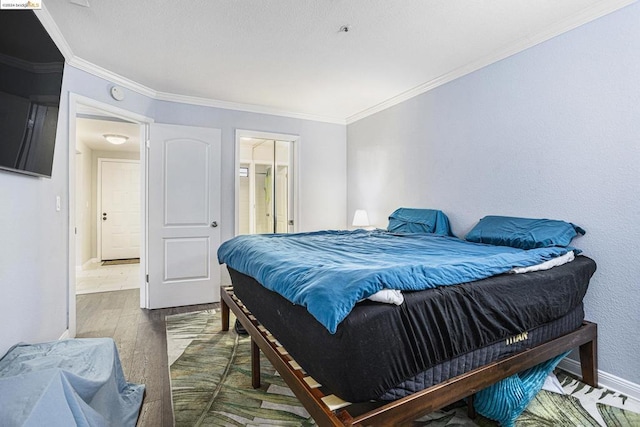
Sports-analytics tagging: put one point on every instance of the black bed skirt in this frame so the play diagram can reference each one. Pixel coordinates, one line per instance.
(383, 351)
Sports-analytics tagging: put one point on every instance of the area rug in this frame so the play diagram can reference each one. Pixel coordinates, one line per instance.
(210, 375)
(121, 261)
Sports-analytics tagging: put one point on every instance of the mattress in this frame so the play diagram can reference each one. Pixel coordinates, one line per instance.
(379, 348)
(485, 355)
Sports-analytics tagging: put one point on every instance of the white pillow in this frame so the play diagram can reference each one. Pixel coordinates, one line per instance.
(389, 296)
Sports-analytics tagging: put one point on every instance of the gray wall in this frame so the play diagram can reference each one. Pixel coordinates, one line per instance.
(551, 132)
(34, 246)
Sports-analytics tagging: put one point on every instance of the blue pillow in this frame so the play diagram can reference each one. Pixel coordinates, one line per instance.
(407, 220)
(523, 233)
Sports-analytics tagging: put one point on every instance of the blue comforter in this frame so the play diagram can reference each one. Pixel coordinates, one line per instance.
(328, 272)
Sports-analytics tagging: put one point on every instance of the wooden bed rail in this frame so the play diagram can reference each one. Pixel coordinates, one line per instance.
(328, 410)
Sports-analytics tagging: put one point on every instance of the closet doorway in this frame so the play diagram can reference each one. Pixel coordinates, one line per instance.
(265, 190)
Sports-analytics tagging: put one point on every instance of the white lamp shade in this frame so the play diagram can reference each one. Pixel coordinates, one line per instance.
(360, 218)
(116, 139)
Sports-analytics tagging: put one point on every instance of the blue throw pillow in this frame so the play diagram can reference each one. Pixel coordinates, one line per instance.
(408, 220)
(523, 233)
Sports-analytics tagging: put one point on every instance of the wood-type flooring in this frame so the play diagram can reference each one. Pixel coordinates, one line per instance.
(140, 336)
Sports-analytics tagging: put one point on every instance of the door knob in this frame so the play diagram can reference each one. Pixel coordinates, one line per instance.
(214, 224)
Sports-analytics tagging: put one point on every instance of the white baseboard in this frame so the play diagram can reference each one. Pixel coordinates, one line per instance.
(65, 335)
(88, 263)
(605, 379)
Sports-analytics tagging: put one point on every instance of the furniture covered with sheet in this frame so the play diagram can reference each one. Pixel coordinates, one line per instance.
(66, 383)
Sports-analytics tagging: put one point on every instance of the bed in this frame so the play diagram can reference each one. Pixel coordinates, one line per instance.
(448, 338)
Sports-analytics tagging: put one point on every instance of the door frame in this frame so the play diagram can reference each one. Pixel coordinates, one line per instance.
(102, 160)
(294, 176)
(76, 100)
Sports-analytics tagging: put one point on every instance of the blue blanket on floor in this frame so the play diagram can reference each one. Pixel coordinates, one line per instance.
(505, 400)
(328, 272)
(77, 382)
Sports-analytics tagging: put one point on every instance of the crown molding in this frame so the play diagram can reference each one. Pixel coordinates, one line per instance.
(587, 15)
(248, 108)
(191, 100)
(81, 64)
(112, 77)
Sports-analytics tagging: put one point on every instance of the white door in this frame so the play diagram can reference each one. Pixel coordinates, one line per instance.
(120, 204)
(183, 212)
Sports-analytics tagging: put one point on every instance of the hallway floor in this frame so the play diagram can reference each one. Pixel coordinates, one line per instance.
(99, 278)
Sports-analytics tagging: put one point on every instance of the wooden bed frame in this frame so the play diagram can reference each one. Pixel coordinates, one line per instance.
(329, 410)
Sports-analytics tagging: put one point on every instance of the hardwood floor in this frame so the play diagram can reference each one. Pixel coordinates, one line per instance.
(142, 343)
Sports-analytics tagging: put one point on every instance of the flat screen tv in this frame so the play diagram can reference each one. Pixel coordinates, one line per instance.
(31, 69)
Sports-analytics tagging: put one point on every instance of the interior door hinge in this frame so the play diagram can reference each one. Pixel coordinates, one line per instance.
(147, 278)
(147, 144)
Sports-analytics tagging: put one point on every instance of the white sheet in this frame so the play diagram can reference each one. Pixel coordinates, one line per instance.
(554, 262)
(389, 296)
(394, 296)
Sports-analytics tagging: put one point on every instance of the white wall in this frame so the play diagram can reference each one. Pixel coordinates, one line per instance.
(84, 215)
(551, 132)
(34, 248)
(33, 262)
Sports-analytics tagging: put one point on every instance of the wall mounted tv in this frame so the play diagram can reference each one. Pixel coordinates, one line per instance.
(31, 69)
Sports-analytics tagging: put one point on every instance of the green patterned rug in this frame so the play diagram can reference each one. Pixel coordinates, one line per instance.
(210, 375)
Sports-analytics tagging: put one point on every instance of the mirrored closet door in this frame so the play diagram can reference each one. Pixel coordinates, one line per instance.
(265, 186)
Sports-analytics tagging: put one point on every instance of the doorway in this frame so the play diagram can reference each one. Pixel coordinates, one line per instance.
(265, 190)
(89, 123)
(108, 188)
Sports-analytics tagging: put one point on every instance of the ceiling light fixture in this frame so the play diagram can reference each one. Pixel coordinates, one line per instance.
(115, 139)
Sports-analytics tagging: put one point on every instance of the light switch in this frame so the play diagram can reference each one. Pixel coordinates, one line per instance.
(58, 203)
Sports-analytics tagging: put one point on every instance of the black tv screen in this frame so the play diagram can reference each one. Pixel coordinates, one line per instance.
(31, 69)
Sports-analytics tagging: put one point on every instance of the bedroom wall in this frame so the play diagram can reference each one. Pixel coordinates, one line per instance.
(551, 132)
(34, 249)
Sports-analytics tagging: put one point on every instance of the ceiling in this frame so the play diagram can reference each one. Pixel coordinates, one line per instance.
(91, 130)
(290, 57)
